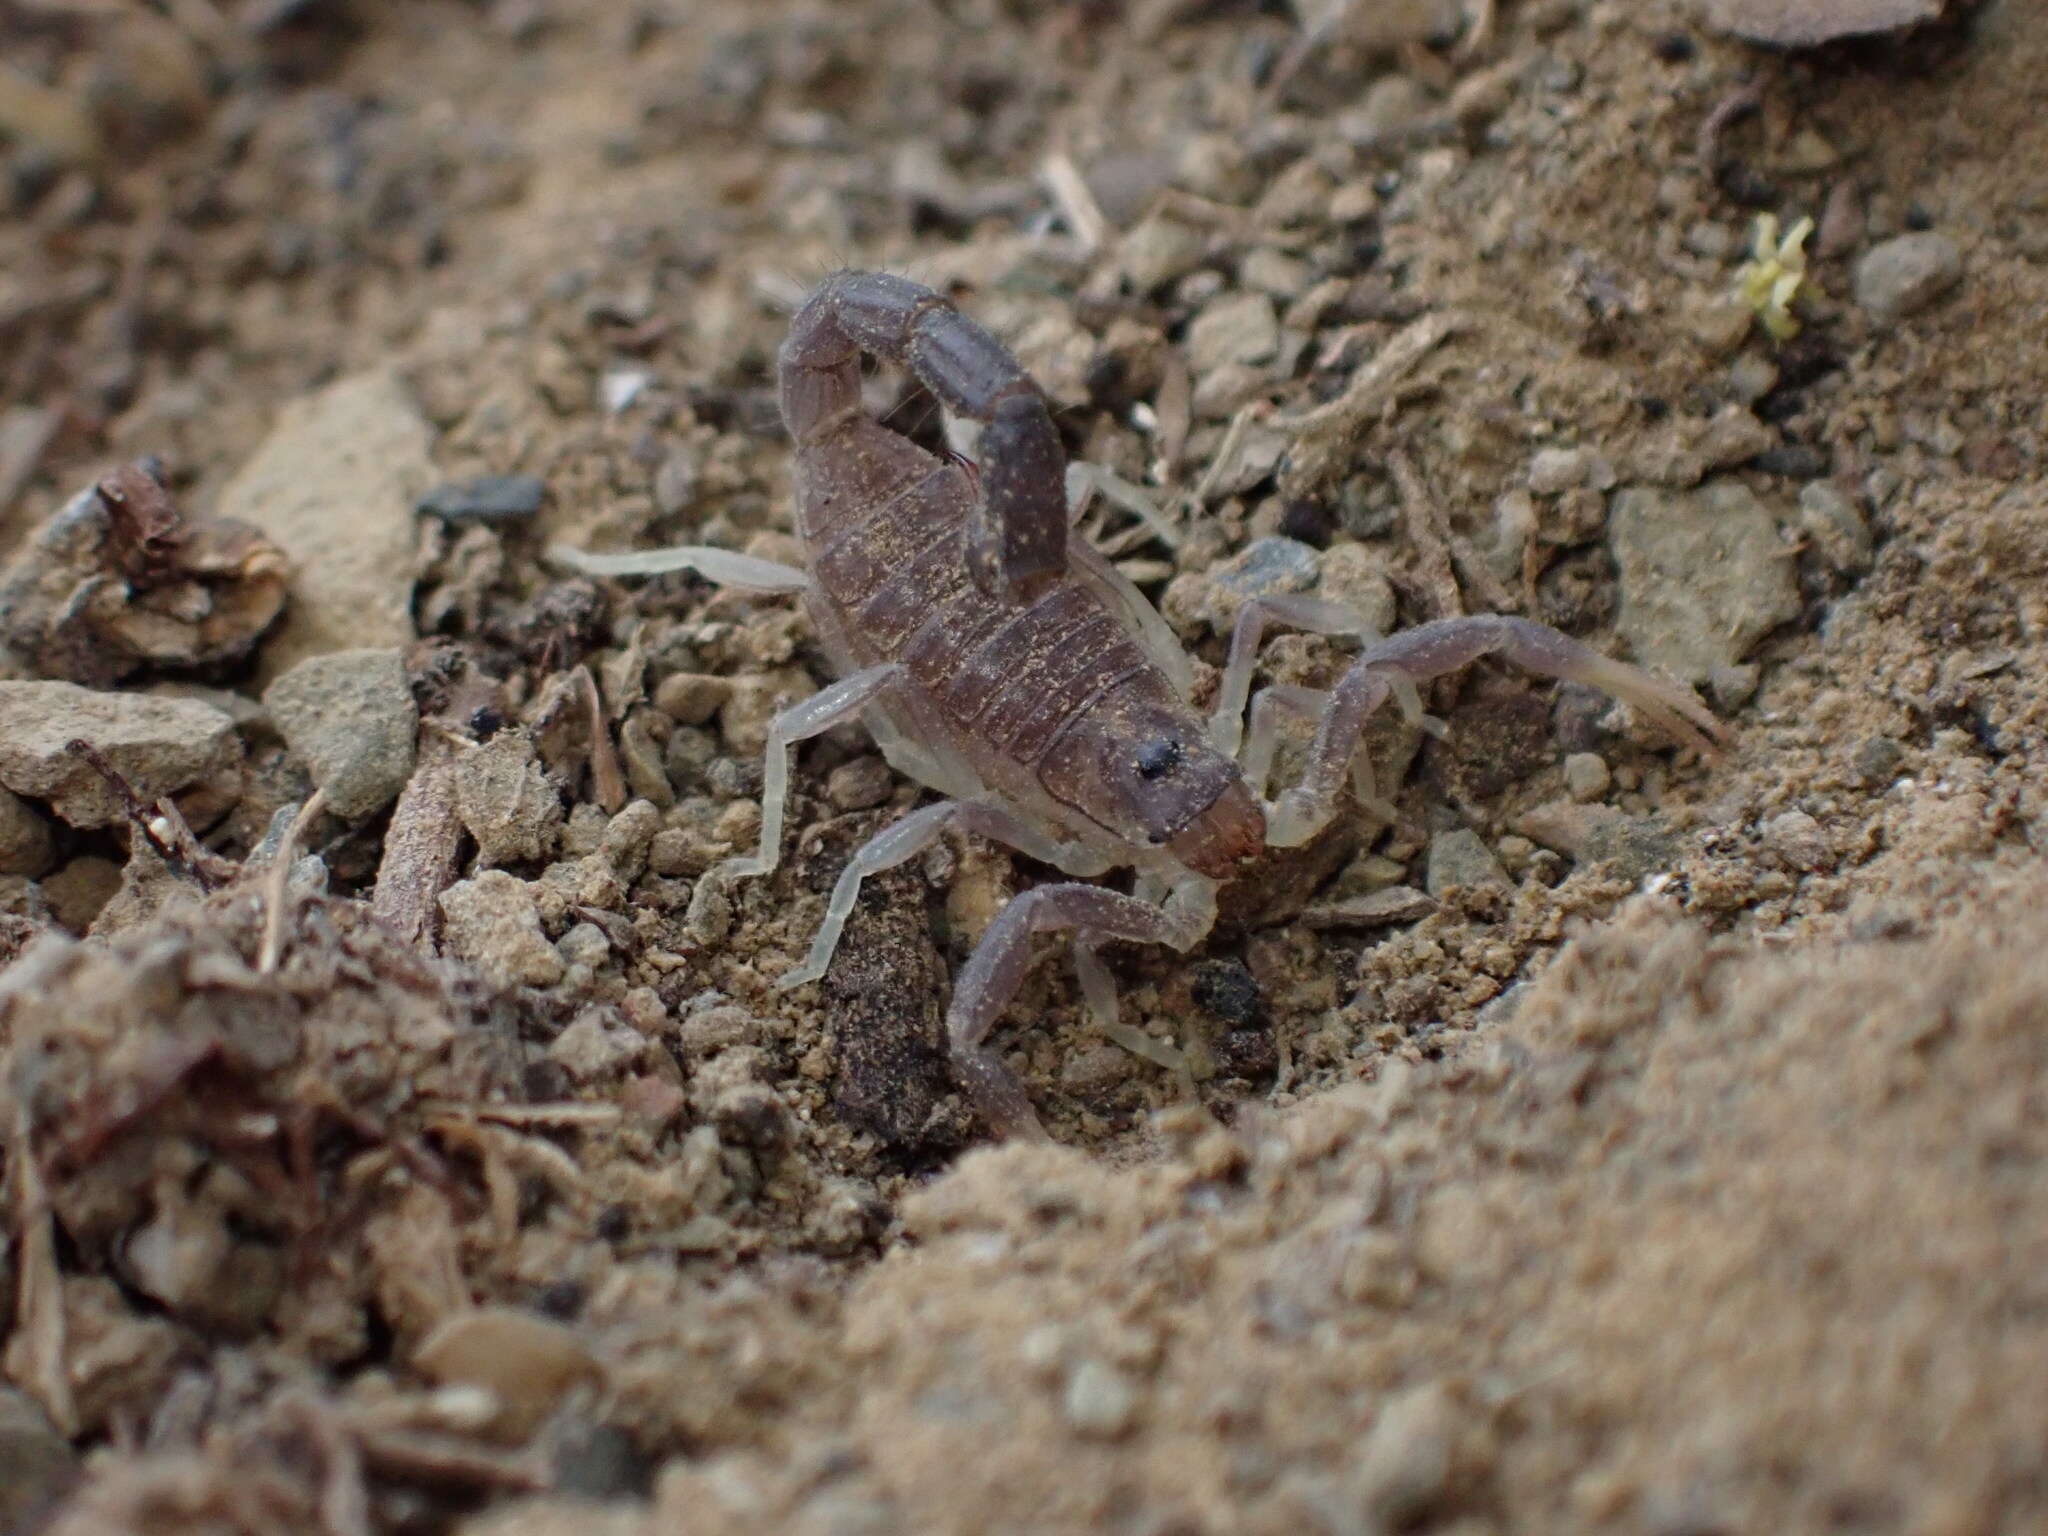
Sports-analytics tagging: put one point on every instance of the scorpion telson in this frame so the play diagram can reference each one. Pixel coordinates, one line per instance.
(1000, 660)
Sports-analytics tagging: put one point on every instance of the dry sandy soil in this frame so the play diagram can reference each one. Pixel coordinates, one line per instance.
(1614, 1140)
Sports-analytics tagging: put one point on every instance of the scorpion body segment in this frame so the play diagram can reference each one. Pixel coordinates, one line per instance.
(1000, 660)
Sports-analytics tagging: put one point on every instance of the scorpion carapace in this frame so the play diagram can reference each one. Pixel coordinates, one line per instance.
(1000, 660)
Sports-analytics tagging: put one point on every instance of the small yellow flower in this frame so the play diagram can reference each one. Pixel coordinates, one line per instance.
(1770, 280)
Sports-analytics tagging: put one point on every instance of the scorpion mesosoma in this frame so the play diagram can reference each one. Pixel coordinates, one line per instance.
(999, 659)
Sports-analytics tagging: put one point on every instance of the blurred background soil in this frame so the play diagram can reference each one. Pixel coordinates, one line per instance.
(1613, 1140)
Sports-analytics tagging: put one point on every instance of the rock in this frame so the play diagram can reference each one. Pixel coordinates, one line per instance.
(1404, 1467)
(159, 745)
(1388, 907)
(1585, 776)
(1460, 858)
(1268, 565)
(486, 498)
(1553, 471)
(1904, 275)
(334, 486)
(595, 1046)
(25, 846)
(77, 892)
(1229, 990)
(1836, 526)
(1734, 436)
(1159, 250)
(1100, 1402)
(491, 921)
(1800, 23)
(1703, 575)
(691, 698)
(1237, 328)
(350, 716)
(1599, 834)
(1797, 841)
(1876, 760)
(1733, 687)
(37, 1465)
(506, 801)
(528, 1363)
(1393, 105)
(1353, 576)
(859, 785)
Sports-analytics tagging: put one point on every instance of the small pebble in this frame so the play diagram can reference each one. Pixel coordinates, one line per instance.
(1835, 526)
(25, 845)
(1227, 989)
(1734, 436)
(1555, 470)
(1404, 1466)
(1904, 275)
(350, 717)
(1237, 328)
(1797, 841)
(492, 921)
(1460, 858)
(1100, 1401)
(486, 498)
(1877, 759)
(691, 698)
(1751, 377)
(527, 1362)
(1734, 686)
(1388, 907)
(859, 785)
(1585, 776)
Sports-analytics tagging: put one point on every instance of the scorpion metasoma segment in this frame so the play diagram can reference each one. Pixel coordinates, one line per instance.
(998, 658)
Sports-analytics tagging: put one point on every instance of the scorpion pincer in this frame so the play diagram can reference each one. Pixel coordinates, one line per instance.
(999, 659)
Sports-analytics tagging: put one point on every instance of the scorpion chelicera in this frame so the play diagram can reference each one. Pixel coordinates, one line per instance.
(998, 658)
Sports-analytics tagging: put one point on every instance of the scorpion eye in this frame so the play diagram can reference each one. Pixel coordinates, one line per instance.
(1158, 757)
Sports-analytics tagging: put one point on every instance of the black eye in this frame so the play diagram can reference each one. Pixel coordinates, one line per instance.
(1157, 757)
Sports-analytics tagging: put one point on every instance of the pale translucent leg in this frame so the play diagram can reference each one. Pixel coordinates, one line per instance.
(997, 968)
(1226, 726)
(904, 840)
(1416, 655)
(1098, 991)
(814, 716)
(1263, 741)
(724, 566)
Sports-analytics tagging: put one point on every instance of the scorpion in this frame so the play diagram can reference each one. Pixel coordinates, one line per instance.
(999, 659)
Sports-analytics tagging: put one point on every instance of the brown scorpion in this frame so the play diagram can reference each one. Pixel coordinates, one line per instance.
(998, 658)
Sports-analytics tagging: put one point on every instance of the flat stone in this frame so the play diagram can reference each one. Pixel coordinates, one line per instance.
(1376, 909)
(25, 845)
(1237, 328)
(1903, 276)
(492, 921)
(485, 498)
(159, 745)
(1586, 776)
(1704, 576)
(1600, 834)
(1460, 858)
(334, 486)
(37, 1465)
(350, 716)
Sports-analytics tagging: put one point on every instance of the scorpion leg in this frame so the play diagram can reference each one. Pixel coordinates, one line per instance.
(746, 573)
(997, 968)
(813, 717)
(1017, 533)
(1414, 656)
(904, 840)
